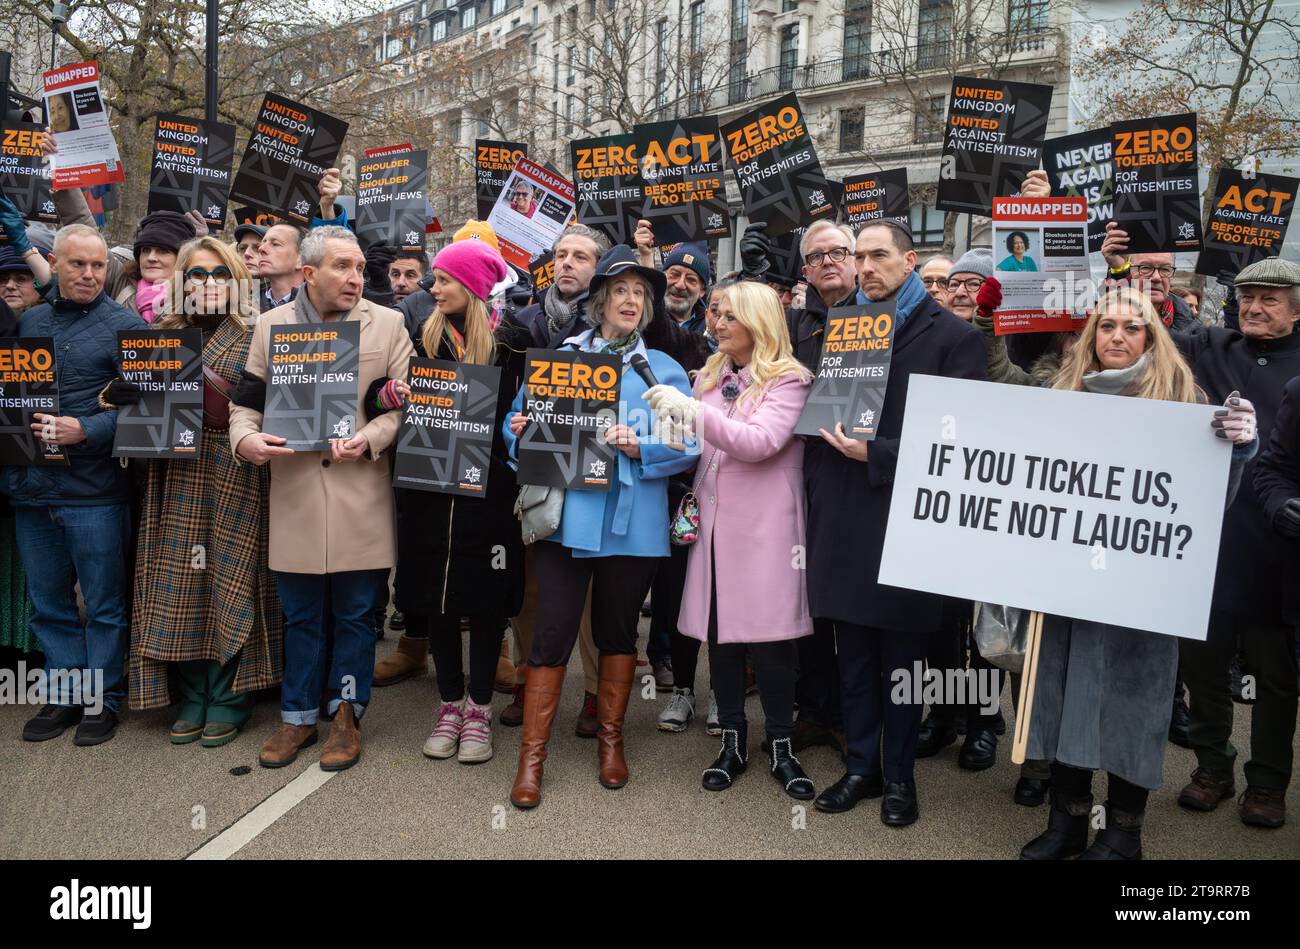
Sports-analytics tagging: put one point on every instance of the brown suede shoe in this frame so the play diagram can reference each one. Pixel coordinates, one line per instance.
(617, 674)
(541, 699)
(282, 748)
(587, 725)
(505, 680)
(1263, 807)
(512, 716)
(343, 747)
(410, 658)
(1206, 790)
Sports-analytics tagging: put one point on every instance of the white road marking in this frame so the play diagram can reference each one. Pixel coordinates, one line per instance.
(227, 843)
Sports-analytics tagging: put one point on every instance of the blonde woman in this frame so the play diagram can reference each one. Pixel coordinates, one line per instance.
(1102, 693)
(744, 590)
(220, 627)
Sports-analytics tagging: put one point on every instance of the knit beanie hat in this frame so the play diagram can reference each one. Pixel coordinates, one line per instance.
(977, 260)
(477, 230)
(165, 229)
(473, 263)
(694, 255)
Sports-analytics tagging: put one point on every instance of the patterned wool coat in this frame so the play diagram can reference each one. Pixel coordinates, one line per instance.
(202, 586)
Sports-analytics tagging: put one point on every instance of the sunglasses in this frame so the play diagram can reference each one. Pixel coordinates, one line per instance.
(200, 275)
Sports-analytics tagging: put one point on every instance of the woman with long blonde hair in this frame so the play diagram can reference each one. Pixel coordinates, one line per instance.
(742, 595)
(1102, 692)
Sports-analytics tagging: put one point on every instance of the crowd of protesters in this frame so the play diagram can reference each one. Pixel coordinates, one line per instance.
(302, 547)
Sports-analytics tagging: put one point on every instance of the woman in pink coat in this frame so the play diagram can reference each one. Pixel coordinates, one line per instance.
(745, 581)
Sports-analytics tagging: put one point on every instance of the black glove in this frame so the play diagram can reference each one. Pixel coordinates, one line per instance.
(754, 249)
(1287, 519)
(250, 392)
(119, 392)
(378, 259)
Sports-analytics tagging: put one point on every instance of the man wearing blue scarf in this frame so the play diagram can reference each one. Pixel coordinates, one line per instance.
(878, 629)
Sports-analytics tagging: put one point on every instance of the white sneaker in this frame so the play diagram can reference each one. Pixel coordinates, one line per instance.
(476, 733)
(679, 712)
(446, 731)
(711, 720)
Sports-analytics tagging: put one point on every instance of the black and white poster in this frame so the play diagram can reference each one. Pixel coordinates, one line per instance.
(572, 399)
(191, 167)
(311, 394)
(24, 175)
(291, 147)
(772, 156)
(608, 183)
(875, 196)
(390, 199)
(684, 195)
(1157, 195)
(493, 162)
(167, 367)
(28, 384)
(445, 443)
(992, 137)
(1248, 221)
(1080, 166)
(849, 386)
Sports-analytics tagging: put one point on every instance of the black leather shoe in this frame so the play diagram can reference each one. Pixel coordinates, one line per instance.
(730, 763)
(979, 751)
(898, 807)
(808, 733)
(1178, 724)
(1030, 792)
(1120, 839)
(788, 773)
(1067, 830)
(936, 734)
(845, 793)
(96, 729)
(51, 722)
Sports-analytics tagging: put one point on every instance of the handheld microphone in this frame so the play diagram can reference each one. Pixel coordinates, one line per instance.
(642, 367)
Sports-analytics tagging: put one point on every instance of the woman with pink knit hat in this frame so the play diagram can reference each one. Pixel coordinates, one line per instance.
(460, 557)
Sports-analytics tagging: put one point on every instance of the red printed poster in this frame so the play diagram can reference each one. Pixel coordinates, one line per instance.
(531, 212)
(75, 111)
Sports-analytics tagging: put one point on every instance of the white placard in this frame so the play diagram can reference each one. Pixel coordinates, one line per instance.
(1095, 507)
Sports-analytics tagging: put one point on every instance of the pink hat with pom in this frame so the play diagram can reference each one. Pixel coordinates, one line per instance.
(474, 264)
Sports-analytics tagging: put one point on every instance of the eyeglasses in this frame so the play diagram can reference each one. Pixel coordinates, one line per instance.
(935, 281)
(200, 275)
(970, 283)
(818, 257)
(1146, 270)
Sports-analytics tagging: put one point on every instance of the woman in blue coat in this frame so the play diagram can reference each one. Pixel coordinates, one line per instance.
(609, 541)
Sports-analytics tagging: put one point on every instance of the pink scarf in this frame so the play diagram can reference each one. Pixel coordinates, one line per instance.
(147, 296)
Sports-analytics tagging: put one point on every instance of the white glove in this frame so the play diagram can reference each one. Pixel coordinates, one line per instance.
(674, 414)
(1236, 420)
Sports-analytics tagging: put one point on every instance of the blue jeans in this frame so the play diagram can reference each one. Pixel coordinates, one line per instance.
(62, 546)
(307, 599)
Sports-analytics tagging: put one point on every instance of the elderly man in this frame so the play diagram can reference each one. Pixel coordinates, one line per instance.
(965, 279)
(1257, 567)
(1150, 273)
(73, 523)
(934, 275)
(332, 538)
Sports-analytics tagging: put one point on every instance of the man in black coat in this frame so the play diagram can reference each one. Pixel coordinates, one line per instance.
(1277, 483)
(878, 629)
(1256, 566)
(558, 312)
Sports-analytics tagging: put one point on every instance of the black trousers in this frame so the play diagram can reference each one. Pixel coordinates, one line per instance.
(443, 633)
(1077, 782)
(774, 667)
(817, 685)
(876, 728)
(618, 588)
(666, 603)
(947, 650)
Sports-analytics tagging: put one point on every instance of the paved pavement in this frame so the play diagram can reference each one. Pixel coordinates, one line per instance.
(138, 796)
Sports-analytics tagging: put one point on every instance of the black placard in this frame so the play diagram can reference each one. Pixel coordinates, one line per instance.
(493, 162)
(880, 195)
(1248, 221)
(167, 366)
(390, 199)
(776, 167)
(24, 175)
(542, 272)
(786, 263)
(28, 384)
(1079, 166)
(850, 383)
(1157, 194)
(311, 393)
(445, 443)
(608, 183)
(572, 398)
(992, 137)
(291, 147)
(191, 166)
(254, 216)
(684, 194)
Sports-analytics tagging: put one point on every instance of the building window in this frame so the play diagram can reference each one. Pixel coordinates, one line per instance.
(927, 226)
(498, 7)
(857, 39)
(407, 15)
(1026, 16)
(484, 130)
(453, 128)
(572, 71)
(568, 114)
(851, 123)
(739, 51)
(789, 5)
(697, 26)
(789, 59)
(928, 122)
(439, 30)
(535, 15)
(696, 103)
(933, 33)
(661, 64)
(468, 17)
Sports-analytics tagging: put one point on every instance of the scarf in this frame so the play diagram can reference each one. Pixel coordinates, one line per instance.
(560, 313)
(305, 312)
(147, 297)
(1115, 381)
(616, 347)
(910, 294)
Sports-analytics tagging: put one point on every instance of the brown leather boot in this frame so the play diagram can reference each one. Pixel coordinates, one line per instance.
(343, 747)
(617, 673)
(1206, 790)
(512, 716)
(505, 680)
(541, 699)
(283, 747)
(1263, 807)
(410, 658)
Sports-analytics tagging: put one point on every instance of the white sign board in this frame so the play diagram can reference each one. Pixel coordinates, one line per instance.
(1095, 507)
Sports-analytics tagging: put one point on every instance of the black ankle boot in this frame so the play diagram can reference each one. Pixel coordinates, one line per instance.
(936, 734)
(787, 771)
(730, 763)
(1120, 839)
(1067, 829)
